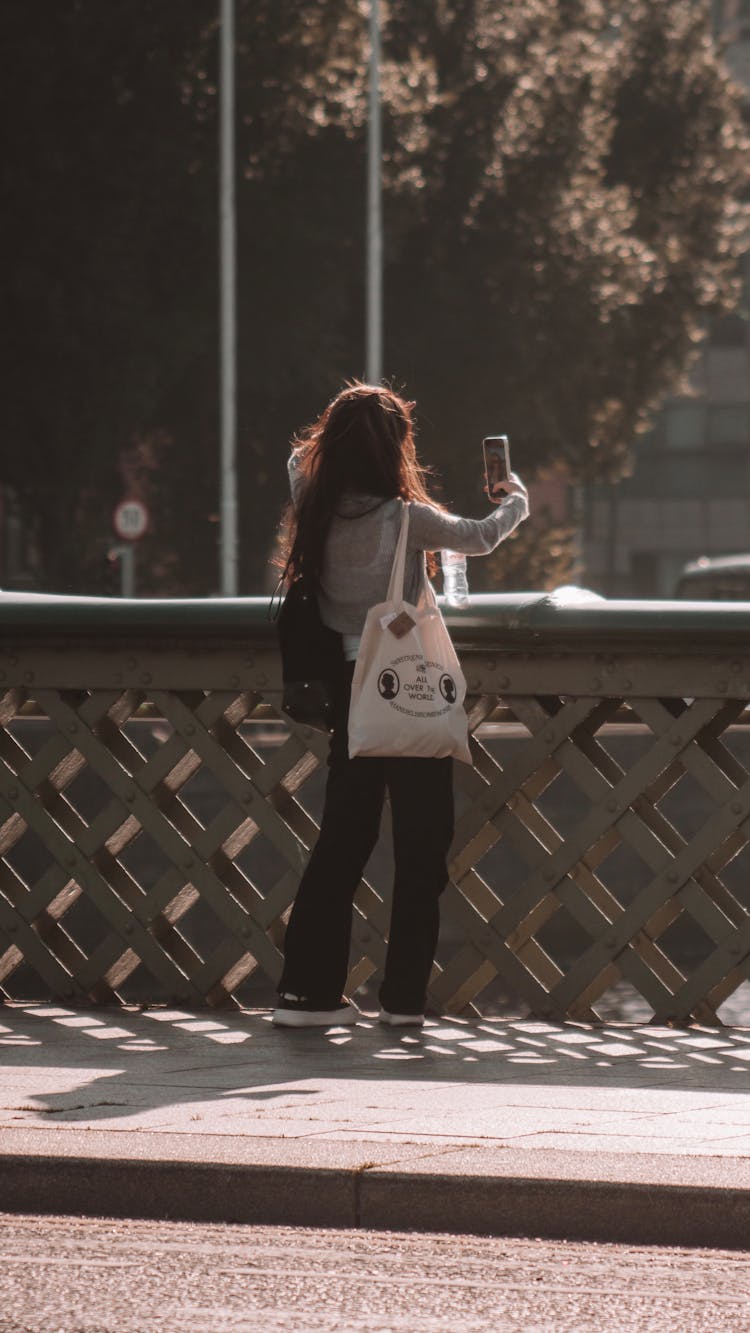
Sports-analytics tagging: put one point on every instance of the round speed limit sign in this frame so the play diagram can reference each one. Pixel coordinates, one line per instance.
(131, 520)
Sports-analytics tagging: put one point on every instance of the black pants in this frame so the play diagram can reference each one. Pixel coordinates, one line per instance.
(316, 950)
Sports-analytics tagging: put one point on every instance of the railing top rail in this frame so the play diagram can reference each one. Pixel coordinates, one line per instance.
(520, 618)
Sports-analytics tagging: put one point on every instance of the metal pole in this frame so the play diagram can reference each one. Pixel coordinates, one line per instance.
(374, 338)
(228, 312)
(124, 554)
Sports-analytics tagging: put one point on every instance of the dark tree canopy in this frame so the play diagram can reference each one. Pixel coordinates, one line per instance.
(562, 221)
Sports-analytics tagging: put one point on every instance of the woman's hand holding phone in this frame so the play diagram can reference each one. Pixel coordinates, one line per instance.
(499, 481)
(511, 485)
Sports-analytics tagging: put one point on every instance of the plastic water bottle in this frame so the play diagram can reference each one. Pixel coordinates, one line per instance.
(455, 583)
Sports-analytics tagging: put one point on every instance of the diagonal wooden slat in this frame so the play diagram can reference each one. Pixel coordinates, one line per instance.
(660, 887)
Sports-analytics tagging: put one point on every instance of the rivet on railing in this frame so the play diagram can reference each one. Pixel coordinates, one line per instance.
(676, 739)
(234, 681)
(550, 736)
(130, 795)
(146, 678)
(736, 807)
(673, 876)
(72, 728)
(28, 676)
(12, 793)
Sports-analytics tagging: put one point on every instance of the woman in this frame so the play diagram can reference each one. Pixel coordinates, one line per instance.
(349, 474)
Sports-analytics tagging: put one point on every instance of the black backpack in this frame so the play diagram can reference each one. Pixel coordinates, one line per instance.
(312, 658)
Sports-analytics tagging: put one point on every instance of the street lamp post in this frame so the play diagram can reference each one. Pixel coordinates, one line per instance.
(374, 338)
(227, 301)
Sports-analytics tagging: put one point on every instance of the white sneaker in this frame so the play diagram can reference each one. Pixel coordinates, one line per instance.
(294, 1011)
(400, 1020)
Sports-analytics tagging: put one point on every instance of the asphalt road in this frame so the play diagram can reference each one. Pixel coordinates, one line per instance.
(78, 1275)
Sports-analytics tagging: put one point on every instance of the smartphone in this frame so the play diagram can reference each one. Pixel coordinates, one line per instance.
(496, 451)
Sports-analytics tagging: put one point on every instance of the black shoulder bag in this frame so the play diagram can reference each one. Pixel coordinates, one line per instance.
(312, 657)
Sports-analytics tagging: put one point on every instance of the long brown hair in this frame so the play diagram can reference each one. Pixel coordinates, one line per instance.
(363, 444)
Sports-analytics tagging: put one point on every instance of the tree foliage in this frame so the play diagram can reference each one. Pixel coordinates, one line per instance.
(562, 181)
(578, 225)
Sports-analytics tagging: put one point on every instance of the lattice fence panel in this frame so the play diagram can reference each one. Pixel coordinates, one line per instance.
(152, 838)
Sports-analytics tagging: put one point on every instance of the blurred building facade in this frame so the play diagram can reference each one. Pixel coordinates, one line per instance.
(689, 493)
(18, 557)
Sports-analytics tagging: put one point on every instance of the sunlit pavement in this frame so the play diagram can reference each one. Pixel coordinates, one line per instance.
(501, 1125)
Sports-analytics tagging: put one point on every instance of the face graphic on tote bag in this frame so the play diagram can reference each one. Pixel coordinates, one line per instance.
(417, 687)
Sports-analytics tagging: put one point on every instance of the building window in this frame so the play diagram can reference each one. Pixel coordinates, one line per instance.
(731, 331)
(729, 424)
(685, 426)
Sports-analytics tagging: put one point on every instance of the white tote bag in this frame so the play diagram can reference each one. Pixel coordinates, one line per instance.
(408, 689)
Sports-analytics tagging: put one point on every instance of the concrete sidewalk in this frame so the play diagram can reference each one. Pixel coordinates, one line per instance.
(519, 1127)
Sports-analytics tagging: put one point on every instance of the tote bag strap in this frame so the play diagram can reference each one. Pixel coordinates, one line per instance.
(396, 584)
(427, 595)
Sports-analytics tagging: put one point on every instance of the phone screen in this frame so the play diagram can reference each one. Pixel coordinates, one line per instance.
(496, 461)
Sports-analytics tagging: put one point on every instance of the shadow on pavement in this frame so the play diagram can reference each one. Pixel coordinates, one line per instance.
(73, 1065)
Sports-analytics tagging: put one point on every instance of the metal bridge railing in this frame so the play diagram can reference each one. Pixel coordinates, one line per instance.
(156, 810)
